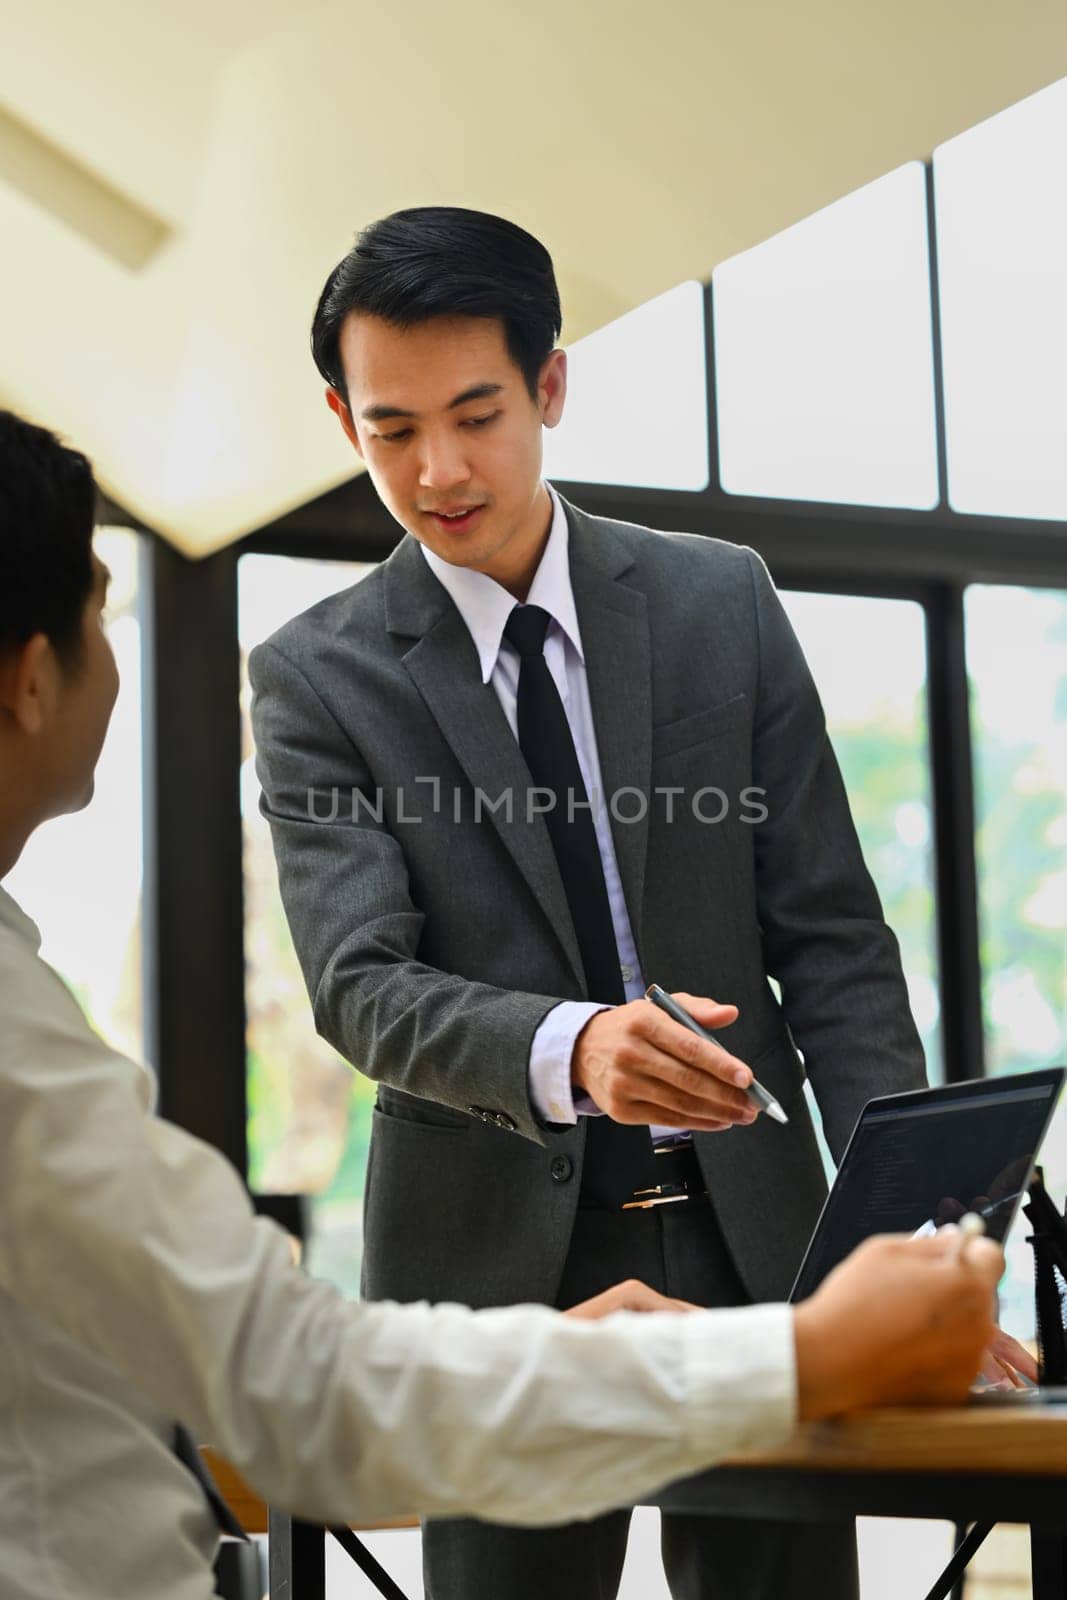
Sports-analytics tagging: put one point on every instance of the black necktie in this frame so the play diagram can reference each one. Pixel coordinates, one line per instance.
(618, 1159)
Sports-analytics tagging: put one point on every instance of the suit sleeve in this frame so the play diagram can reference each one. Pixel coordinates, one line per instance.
(356, 928)
(825, 940)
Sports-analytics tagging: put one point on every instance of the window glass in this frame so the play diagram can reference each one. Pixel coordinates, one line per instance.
(637, 410)
(823, 355)
(1017, 663)
(1002, 265)
(868, 658)
(309, 1112)
(79, 877)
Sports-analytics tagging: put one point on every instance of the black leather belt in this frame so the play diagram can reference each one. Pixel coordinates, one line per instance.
(676, 1177)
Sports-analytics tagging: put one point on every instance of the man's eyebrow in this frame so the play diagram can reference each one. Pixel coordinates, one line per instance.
(477, 391)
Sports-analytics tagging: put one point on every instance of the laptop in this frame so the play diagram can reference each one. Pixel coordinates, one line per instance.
(918, 1160)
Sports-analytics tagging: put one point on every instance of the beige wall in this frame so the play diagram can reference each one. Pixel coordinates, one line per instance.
(643, 143)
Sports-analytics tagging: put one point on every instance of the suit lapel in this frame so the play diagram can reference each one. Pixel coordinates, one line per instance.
(443, 664)
(613, 619)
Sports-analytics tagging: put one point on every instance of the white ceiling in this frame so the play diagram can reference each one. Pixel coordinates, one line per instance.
(643, 143)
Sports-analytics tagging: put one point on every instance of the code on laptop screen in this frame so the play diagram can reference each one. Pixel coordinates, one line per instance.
(927, 1161)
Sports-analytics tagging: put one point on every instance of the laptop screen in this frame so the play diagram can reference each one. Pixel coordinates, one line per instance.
(916, 1161)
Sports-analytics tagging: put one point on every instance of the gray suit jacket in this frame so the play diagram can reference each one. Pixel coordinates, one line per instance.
(433, 929)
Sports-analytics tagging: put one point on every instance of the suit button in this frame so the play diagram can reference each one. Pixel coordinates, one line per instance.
(561, 1168)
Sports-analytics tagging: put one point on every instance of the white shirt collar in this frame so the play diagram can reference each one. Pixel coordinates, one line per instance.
(12, 916)
(486, 605)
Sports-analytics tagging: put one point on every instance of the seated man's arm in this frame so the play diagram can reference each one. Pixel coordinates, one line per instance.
(139, 1242)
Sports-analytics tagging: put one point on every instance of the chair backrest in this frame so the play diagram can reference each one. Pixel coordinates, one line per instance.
(247, 1506)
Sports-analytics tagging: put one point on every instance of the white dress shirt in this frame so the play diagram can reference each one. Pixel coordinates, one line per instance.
(136, 1286)
(485, 606)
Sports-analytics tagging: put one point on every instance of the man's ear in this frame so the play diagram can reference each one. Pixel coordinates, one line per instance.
(552, 388)
(340, 410)
(29, 683)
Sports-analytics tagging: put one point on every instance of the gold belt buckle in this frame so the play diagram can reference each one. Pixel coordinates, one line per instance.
(662, 1194)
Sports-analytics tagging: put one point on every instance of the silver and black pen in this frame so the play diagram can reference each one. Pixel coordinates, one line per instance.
(760, 1097)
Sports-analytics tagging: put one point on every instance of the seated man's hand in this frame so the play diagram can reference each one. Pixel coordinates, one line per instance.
(642, 1067)
(633, 1295)
(902, 1321)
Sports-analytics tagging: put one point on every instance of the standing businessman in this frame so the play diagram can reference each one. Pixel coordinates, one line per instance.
(534, 762)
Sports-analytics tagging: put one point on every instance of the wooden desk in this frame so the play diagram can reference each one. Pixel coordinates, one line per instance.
(973, 1454)
(977, 1463)
(1026, 1439)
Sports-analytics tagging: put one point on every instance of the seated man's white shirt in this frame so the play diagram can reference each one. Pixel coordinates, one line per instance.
(136, 1287)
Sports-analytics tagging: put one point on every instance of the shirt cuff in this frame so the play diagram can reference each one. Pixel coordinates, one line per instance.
(551, 1093)
(759, 1412)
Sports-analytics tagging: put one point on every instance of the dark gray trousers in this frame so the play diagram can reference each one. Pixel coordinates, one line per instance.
(678, 1250)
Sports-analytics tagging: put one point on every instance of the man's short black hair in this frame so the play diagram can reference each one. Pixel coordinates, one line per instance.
(47, 509)
(441, 261)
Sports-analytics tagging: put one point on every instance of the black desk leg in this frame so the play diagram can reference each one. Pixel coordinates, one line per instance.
(950, 1583)
(1048, 1558)
(297, 1559)
(957, 1590)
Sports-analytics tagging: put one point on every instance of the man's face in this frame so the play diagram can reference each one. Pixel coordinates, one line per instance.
(451, 437)
(80, 711)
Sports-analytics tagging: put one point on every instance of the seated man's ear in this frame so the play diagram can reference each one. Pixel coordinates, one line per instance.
(29, 683)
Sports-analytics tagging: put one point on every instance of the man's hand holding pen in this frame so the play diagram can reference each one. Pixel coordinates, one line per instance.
(642, 1067)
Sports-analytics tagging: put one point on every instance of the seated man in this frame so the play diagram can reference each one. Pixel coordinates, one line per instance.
(137, 1288)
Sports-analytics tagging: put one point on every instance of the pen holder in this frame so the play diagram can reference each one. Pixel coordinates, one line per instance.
(1049, 1241)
